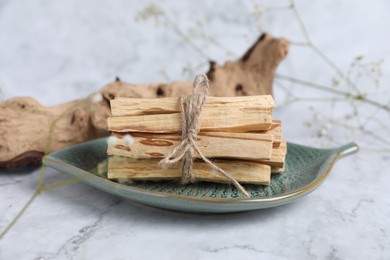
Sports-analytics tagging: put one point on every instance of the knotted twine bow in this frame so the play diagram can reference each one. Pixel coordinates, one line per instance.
(190, 112)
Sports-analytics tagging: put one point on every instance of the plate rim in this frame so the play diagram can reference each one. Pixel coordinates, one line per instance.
(51, 161)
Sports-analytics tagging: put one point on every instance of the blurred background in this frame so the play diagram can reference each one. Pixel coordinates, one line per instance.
(57, 51)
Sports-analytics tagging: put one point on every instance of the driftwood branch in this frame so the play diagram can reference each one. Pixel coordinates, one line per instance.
(28, 130)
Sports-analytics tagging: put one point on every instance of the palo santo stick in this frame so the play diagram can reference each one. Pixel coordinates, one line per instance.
(275, 170)
(278, 156)
(210, 122)
(275, 130)
(247, 146)
(220, 114)
(141, 106)
(148, 169)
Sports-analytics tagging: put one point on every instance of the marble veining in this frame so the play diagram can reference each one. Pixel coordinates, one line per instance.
(70, 247)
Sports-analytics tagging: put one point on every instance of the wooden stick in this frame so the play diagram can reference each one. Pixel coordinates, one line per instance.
(141, 106)
(276, 170)
(148, 169)
(247, 146)
(275, 130)
(278, 156)
(233, 114)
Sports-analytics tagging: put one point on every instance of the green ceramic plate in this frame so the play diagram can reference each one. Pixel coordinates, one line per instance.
(306, 168)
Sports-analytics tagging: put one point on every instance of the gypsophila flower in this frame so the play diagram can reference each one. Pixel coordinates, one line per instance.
(257, 14)
(129, 140)
(307, 124)
(96, 98)
(322, 132)
(112, 140)
(124, 180)
(328, 126)
(318, 117)
(151, 11)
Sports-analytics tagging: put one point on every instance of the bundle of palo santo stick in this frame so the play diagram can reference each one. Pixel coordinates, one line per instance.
(236, 133)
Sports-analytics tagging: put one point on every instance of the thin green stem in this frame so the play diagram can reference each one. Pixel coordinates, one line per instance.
(335, 67)
(334, 91)
(13, 222)
(218, 45)
(41, 187)
(61, 183)
(320, 53)
(300, 22)
(380, 123)
(277, 8)
(300, 44)
(361, 129)
(183, 36)
(76, 105)
(297, 99)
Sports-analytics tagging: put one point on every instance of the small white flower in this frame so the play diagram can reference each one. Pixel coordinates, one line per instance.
(123, 180)
(129, 140)
(318, 117)
(96, 98)
(322, 132)
(328, 126)
(112, 140)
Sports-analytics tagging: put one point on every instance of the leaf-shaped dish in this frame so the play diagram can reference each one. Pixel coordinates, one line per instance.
(306, 168)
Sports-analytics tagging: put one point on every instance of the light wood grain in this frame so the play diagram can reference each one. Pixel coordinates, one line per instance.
(247, 146)
(220, 114)
(275, 130)
(171, 105)
(277, 170)
(148, 169)
(278, 156)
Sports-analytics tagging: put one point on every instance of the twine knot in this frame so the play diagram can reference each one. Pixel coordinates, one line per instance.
(191, 109)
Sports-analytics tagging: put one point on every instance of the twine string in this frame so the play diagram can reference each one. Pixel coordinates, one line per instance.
(191, 109)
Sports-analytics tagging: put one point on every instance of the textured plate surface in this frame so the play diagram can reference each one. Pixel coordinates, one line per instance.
(305, 169)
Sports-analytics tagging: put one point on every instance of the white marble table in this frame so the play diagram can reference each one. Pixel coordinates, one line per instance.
(61, 50)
